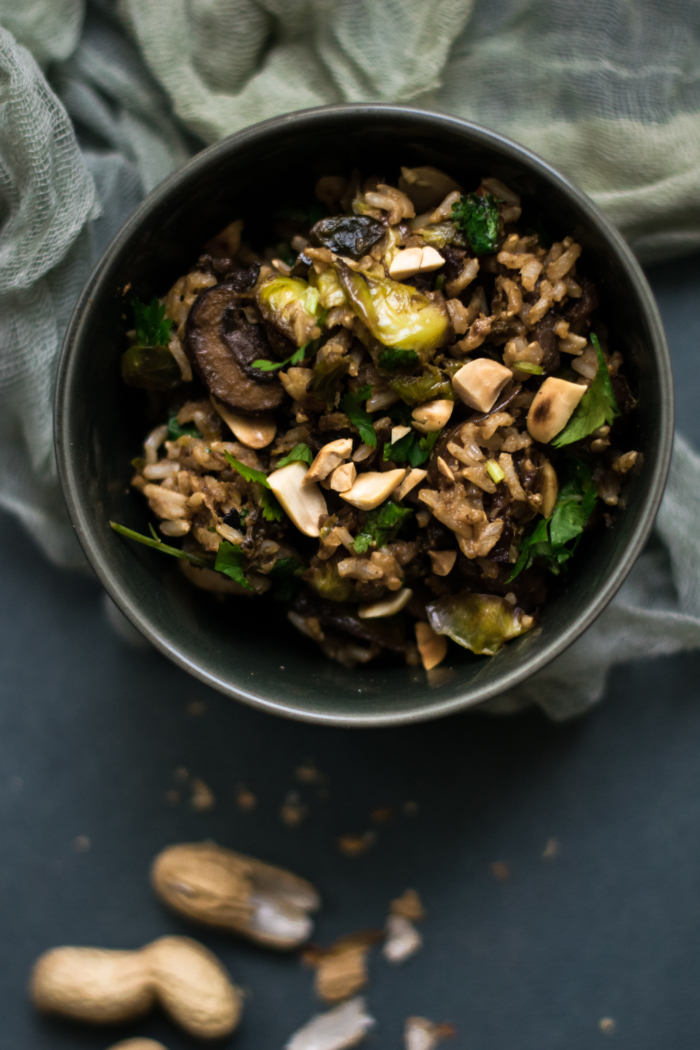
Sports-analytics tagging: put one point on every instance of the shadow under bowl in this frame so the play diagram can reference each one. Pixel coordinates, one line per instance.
(246, 648)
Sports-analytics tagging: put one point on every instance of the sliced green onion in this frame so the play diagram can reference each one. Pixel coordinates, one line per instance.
(527, 366)
(494, 471)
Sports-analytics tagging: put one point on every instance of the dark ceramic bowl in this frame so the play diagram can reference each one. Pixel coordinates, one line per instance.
(244, 648)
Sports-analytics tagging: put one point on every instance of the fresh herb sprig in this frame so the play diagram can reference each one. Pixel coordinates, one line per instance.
(477, 217)
(270, 366)
(229, 560)
(202, 561)
(152, 326)
(352, 406)
(176, 431)
(301, 453)
(556, 539)
(596, 408)
(413, 448)
(381, 526)
(268, 502)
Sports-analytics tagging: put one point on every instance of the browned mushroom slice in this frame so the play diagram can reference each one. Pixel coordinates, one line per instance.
(222, 345)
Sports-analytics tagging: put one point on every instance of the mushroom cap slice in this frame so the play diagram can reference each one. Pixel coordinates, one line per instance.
(222, 344)
(552, 408)
(302, 501)
(253, 431)
(479, 383)
(372, 488)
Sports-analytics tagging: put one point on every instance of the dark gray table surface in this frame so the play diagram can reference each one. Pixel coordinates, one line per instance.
(92, 733)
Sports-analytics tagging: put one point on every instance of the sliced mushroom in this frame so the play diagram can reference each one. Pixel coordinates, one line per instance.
(372, 488)
(426, 186)
(433, 415)
(479, 383)
(431, 646)
(413, 478)
(222, 344)
(411, 261)
(385, 607)
(253, 431)
(443, 562)
(343, 477)
(552, 408)
(302, 501)
(549, 488)
(330, 457)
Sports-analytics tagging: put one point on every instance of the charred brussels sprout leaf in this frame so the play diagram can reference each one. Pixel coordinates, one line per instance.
(292, 306)
(480, 622)
(150, 368)
(391, 360)
(152, 327)
(229, 561)
(381, 526)
(351, 235)
(325, 580)
(478, 218)
(328, 375)
(396, 314)
(431, 384)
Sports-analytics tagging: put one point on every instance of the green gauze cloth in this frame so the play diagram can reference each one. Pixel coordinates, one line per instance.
(99, 102)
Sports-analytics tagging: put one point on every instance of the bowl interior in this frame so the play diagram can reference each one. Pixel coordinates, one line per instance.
(245, 647)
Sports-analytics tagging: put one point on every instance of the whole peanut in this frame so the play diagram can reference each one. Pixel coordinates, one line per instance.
(105, 987)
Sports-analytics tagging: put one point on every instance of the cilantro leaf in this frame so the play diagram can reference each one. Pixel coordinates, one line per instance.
(175, 431)
(597, 406)
(390, 360)
(549, 539)
(301, 453)
(249, 473)
(400, 414)
(270, 507)
(152, 327)
(229, 560)
(202, 560)
(351, 405)
(399, 451)
(263, 365)
(420, 450)
(477, 217)
(287, 572)
(381, 526)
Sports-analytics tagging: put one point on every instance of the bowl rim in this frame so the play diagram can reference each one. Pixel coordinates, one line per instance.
(94, 546)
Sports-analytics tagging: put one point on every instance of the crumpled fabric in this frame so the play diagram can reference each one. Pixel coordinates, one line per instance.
(99, 101)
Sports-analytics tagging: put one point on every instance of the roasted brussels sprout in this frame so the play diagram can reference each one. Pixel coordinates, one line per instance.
(150, 368)
(396, 314)
(351, 235)
(430, 385)
(324, 579)
(291, 305)
(330, 292)
(480, 622)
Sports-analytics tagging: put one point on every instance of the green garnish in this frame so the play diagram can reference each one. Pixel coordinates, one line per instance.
(152, 327)
(477, 217)
(175, 431)
(597, 406)
(412, 447)
(352, 406)
(429, 385)
(549, 539)
(301, 453)
(249, 473)
(494, 471)
(528, 366)
(202, 560)
(381, 526)
(287, 572)
(229, 560)
(390, 360)
(270, 507)
(439, 282)
(270, 366)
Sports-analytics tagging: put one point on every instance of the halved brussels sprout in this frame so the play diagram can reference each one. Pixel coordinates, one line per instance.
(292, 306)
(480, 622)
(150, 368)
(429, 386)
(396, 314)
(330, 293)
(325, 580)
